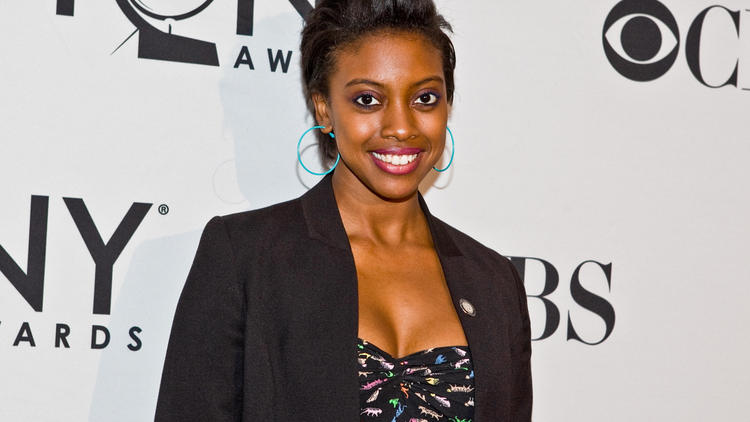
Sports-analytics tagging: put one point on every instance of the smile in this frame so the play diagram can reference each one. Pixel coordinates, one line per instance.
(397, 160)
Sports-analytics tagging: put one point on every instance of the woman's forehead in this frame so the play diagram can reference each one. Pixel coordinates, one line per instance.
(388, 58)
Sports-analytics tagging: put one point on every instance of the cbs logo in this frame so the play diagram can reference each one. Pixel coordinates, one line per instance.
(642, 40)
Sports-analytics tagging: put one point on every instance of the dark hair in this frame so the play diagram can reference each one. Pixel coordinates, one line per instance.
(333, 24)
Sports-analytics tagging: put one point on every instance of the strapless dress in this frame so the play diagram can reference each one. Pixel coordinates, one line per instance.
(431, 385)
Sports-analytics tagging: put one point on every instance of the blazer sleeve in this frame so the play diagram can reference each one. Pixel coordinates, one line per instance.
(203, 369)
(521, 355)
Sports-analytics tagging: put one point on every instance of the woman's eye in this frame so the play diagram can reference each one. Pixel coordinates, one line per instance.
(427, 98)
(367, 100)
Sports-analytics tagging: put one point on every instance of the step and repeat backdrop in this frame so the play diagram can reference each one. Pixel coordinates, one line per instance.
(602, 145)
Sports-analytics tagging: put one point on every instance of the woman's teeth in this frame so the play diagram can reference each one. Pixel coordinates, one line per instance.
(398, 160)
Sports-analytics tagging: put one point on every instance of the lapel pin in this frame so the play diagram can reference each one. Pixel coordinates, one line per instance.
(467, 307)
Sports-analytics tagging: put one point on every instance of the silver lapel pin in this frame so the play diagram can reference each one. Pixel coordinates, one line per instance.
(467, 307)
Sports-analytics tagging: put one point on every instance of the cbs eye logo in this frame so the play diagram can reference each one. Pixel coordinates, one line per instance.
(641, 39)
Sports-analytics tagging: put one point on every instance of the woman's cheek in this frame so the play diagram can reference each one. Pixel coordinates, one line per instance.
(364, 128)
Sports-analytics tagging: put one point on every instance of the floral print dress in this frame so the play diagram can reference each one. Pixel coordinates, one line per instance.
(432, 385)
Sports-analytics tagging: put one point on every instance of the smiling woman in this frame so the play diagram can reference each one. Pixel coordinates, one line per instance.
(387, 105)
(289, 308)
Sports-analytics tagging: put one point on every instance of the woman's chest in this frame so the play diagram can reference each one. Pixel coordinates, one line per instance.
(404, 302)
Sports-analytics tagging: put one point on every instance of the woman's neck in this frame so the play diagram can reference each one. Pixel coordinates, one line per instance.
(371, 218)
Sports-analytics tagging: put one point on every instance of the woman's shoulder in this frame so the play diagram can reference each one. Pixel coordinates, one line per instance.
(472, 248)
(487, 261)
(259, 227)
(269, 217)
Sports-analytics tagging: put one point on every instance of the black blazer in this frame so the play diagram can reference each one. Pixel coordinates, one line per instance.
(266, 325)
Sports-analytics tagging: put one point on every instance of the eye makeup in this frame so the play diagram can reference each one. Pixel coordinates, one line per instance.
(428, 98)
(366, 100)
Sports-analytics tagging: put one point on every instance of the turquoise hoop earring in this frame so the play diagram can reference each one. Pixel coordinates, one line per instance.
(453, 151)
(299, 157)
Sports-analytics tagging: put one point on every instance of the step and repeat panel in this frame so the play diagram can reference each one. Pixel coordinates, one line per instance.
(601, 145)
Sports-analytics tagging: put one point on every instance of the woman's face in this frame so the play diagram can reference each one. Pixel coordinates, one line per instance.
(388, 108)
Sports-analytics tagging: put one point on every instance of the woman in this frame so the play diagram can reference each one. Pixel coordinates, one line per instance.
(353, 302)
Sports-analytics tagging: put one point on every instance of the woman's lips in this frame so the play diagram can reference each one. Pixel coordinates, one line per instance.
(396, 160)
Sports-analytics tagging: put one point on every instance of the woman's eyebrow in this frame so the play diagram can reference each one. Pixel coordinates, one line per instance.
(359, 81)
(363, 81)
(434, 78)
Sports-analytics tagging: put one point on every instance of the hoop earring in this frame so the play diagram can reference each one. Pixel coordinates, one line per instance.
(299, 157)
(453, 151)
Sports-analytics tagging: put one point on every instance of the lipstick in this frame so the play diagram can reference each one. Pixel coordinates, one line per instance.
(396, 160)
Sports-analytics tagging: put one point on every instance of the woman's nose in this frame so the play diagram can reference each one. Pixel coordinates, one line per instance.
(399, 122)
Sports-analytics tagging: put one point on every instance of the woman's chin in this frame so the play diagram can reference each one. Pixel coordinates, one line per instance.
(396, 191)
(387, 186)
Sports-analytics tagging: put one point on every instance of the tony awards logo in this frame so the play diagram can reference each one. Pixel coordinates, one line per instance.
(155, 23)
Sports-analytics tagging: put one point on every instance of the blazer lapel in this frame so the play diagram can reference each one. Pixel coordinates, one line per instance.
(487, 330)
(337, 293)
(322, 215)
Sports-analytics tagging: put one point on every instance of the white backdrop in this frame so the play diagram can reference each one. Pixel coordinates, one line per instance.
(559, 157)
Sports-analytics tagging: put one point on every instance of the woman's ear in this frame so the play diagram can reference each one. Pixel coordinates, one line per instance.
(322, 112)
